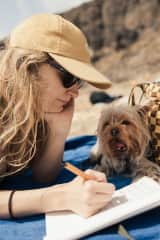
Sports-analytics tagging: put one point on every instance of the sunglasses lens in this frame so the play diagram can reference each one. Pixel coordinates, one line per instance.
(68, 80)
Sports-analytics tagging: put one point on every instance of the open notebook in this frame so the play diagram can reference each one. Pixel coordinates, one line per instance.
(129, 201)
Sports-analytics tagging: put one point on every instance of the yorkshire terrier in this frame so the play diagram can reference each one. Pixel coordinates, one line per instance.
(122, 141)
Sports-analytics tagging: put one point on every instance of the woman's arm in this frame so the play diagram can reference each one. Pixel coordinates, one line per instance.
(82, 197)
(31, 202)
(47, 167)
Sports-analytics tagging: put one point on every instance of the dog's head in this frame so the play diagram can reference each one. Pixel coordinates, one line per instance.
(123, 136)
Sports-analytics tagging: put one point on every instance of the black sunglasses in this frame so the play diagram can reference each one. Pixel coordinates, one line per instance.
(68, 80)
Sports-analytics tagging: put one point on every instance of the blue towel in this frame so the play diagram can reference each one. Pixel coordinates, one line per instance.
(143, 227)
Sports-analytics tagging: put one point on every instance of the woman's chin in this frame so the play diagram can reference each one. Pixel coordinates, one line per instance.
(60, 110)
(56, 110)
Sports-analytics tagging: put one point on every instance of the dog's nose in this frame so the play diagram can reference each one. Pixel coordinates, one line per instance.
(114, 132)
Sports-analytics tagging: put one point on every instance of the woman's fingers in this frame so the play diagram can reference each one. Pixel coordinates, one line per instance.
(97, 199)
(96, 174)
(88, 197)
(99, 187)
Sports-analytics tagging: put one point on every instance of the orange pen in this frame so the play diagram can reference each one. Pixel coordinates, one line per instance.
(78, 172)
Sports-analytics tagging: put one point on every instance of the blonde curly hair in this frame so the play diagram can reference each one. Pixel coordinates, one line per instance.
(22, 125)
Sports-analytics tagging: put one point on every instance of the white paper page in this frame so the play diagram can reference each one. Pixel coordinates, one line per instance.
(126, 202)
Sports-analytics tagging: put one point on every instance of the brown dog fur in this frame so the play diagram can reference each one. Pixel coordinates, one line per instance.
(122, 139)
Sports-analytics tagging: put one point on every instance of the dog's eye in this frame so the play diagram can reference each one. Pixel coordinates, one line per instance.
(125, 122)
(105, 125)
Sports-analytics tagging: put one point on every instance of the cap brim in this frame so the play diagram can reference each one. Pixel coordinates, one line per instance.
(84, 71)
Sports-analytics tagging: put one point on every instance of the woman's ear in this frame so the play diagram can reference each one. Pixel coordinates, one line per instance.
(4, 43)
(33, 68)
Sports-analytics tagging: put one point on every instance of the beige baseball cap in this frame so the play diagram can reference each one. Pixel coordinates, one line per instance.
(63, 41)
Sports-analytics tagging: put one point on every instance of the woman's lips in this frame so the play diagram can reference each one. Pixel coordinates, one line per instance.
(64, 102)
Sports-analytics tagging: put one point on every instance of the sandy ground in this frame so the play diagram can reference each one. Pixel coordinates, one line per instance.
(86, 115)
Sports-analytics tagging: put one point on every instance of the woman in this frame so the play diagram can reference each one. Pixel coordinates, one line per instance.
(40, 74)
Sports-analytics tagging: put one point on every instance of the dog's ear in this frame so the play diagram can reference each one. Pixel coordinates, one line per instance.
(143, 111)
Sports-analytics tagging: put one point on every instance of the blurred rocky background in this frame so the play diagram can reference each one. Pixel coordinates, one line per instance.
(124, 38)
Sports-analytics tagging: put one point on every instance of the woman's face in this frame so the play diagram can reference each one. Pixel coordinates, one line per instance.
(54, 96)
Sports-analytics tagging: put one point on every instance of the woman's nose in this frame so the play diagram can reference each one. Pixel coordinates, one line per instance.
(74, 91)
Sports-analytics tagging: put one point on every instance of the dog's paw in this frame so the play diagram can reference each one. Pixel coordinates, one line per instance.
(153, 172)
(155, 175)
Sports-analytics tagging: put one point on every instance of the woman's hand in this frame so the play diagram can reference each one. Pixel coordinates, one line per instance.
(82, 197)
(60, 123)
(88, 197)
